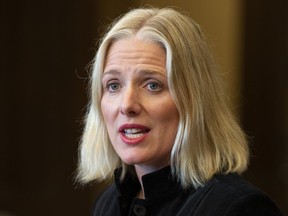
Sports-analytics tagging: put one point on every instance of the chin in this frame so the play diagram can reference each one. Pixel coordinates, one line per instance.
(132, 160)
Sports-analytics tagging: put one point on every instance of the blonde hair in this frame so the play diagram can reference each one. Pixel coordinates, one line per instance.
(208, 140)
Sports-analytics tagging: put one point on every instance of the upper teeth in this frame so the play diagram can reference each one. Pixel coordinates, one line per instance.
(132, 130)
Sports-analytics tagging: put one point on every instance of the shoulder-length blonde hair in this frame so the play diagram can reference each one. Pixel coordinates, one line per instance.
(208, 139)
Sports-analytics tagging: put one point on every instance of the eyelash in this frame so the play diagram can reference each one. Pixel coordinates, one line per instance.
(159, 86)
(114, 86)
(109, 86)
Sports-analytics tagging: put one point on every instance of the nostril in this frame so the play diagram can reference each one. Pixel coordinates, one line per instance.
(128, 111)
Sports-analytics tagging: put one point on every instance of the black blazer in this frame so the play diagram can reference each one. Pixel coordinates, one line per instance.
(223, 195)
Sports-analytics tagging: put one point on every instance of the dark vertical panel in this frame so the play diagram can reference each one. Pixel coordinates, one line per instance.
(265, 87)
(45, 47)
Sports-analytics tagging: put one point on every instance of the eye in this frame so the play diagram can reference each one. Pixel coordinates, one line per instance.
(154, 86)
(112, 87)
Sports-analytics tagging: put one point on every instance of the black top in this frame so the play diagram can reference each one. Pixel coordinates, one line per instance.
(223, 195)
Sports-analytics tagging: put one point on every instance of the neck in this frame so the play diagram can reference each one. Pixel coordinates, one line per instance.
(140, 194)
(140, 171)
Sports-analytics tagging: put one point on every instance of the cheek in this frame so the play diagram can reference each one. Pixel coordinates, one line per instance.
(106, 110)
(109, 112)
(166, 118)
(167, 112)
(103, 109)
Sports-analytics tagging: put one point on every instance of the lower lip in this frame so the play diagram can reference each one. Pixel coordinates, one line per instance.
(132, 141)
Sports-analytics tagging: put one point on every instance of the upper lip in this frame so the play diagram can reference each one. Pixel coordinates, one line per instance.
(125, 127)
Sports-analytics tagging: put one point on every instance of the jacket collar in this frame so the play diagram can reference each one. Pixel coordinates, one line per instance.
(157, 184)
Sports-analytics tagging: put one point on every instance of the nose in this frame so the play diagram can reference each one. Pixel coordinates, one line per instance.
(130, 104)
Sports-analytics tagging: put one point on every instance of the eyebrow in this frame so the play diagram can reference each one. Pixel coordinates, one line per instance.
(113, 72)
(144, 72)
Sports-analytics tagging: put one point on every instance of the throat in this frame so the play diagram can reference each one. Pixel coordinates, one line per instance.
(140, 194)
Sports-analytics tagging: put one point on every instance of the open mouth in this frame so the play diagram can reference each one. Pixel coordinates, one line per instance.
(134, 133)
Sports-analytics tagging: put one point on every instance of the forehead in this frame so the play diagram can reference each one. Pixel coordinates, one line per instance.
(135, 50)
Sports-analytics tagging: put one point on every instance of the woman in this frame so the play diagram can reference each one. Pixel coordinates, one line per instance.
(158, 124)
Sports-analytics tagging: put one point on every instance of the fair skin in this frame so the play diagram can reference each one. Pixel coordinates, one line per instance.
(138, 109)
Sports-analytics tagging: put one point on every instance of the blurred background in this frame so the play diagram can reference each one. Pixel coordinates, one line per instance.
(46, 46)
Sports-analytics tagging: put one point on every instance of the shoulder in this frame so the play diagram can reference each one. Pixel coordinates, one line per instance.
(233, 185)
(232, 195)
(105, 202)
